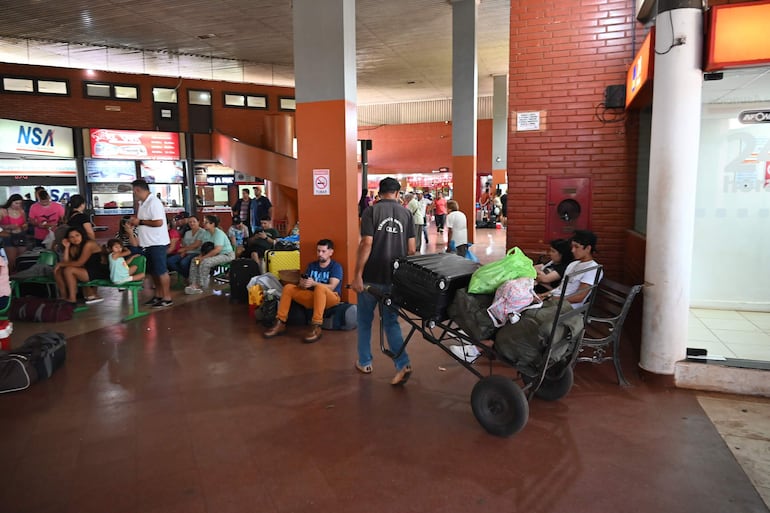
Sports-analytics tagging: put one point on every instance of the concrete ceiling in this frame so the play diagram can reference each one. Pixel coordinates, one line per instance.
(404, 47)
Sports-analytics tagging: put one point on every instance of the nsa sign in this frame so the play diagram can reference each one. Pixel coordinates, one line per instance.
(22, 138)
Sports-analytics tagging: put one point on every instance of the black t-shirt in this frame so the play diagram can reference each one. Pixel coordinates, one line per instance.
(390, 225)
(78, 219)
(559, 268)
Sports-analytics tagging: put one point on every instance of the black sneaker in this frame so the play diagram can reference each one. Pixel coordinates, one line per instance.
(163, 303)
(152, 301)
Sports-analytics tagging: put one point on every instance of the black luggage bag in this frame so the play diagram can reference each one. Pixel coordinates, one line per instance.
(242, 270)
(426, 284)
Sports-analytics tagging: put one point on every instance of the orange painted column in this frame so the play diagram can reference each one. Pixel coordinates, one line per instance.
(464, 109)
(326, 127)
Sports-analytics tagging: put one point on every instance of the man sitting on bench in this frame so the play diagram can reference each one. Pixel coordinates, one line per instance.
(319, 288)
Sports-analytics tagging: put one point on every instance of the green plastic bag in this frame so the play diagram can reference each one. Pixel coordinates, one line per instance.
(515, 264)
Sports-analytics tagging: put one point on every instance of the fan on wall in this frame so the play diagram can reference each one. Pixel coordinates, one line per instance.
(568, 210)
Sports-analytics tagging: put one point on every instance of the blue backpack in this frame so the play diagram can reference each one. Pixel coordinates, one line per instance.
(341, 317)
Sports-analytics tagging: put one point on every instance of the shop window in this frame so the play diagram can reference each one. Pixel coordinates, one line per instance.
(112, 91)
(164, 95)
(250, 101)
(198, 97)
(285, 103)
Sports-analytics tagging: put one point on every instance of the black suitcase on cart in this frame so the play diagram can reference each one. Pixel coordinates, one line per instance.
(242, 270)
(426, 284)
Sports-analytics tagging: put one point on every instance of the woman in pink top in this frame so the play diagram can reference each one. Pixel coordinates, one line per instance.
(13, 222)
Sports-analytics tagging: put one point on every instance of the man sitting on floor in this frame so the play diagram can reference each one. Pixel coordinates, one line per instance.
(319, 288)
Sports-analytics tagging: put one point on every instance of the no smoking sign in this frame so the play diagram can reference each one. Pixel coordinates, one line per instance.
(321, 182)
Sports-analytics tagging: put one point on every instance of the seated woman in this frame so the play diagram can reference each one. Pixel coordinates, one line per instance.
(549, 275)
(200, 270)
(81, 261)
(5, 283)
(127, 236)
(189, 248)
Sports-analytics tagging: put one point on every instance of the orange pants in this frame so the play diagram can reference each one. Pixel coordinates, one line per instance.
(319, 299)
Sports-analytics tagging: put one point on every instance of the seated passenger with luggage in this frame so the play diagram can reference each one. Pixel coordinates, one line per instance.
(583, 247)
(263, 239)
(319, 288)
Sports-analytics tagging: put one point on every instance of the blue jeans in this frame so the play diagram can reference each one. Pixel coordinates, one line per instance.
(180, 264)
(366, 305)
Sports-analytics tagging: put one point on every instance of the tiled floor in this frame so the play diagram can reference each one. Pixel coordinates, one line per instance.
(731, 334)
(190, 409)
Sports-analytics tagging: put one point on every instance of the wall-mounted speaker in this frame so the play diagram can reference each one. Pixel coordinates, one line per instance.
(615, 97)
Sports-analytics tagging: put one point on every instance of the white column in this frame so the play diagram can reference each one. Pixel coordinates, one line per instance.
(500, 122)
(673, 171)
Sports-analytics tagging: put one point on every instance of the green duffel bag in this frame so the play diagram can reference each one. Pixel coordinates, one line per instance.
(524, 343)
(469, 311)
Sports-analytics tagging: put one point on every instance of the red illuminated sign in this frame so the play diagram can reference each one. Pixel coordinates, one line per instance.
(136, 145)
(738, 36)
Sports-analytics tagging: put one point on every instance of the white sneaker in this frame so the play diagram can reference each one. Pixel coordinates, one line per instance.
(468, 353)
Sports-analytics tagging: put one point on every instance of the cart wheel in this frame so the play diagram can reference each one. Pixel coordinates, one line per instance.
(499, 405)
(553, 389)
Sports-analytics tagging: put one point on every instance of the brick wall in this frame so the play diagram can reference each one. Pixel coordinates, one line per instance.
(563, 55)
(422, 147)
(77, 111)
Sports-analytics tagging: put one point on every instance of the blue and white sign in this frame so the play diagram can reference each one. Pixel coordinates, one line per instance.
(24, 138)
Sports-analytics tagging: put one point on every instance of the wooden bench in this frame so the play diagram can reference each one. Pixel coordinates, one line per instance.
(605, 324)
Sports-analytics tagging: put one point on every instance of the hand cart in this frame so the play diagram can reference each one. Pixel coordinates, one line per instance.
(498, 402)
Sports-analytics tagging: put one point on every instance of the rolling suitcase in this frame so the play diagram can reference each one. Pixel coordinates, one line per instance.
(426, 284)
(281, 260)
(241, 272)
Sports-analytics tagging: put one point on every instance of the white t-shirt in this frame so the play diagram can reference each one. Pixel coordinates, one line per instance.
(152, 209)
(459, 224)
(574, 285)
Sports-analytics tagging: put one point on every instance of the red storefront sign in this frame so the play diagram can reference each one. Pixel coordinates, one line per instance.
(132, 144)
(738, 36)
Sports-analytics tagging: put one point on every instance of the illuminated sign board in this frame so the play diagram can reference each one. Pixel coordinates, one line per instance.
(110, 171)
(22, 138)
(738, 36)
(132, 144)
(639, 75)
(160, 171)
